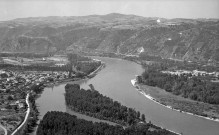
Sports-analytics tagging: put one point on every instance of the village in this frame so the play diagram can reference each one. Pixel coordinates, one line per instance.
(14, 87)
(23, 79)
(213, 76)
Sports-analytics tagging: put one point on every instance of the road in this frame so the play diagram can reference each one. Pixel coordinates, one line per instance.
(6, 132)
(10, 115)
(26, 117)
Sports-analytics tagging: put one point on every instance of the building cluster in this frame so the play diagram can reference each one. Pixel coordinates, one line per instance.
(14, 86)
(214, 75)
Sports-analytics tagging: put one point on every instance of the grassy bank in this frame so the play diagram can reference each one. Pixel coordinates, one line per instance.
(182, 104)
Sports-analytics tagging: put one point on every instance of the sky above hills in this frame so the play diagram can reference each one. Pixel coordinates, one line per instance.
(11, 9)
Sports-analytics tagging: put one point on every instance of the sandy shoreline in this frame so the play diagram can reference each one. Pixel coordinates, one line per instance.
(133, 81)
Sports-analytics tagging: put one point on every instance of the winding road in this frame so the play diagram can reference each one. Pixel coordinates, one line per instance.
(26, 116)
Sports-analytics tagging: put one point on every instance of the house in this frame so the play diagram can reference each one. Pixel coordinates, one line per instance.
(3, 109)
(21, 105)
(2, 90)
(17, 102)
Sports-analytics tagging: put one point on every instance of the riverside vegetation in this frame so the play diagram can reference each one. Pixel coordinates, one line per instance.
(61, 123)
(186, 85)
(195, 94)
(92, 103)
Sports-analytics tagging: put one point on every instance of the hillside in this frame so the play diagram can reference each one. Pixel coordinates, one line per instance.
(184, 39)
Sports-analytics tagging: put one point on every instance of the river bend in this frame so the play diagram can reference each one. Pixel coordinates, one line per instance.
(114, 82)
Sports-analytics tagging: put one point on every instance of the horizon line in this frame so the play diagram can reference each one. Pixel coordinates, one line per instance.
(108, 14)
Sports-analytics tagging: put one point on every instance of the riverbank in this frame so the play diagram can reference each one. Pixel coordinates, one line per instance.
(78, 100)
(92, 74)
(171, 101)
(178, 103)
(151, 98)
(114, 81)
(64, 81)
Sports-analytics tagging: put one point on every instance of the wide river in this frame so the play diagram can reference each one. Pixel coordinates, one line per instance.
(114, 81)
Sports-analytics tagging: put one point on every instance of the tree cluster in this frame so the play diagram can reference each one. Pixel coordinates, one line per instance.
(93, 103)
(180, 65)
(33, 117)
(60, 123)
(87, 67)
(25, 55)
(186, 85)
(82, 63)
(35, 67)
(37, 88)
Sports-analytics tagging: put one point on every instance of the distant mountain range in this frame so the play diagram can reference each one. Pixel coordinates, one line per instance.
(183, 39)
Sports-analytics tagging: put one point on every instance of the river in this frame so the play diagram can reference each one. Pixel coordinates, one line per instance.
(114, 82)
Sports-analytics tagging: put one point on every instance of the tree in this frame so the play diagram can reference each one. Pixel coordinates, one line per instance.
(8, 91)
(23, 95)
(193, 95)
(130, 119)
(143, 117)
(8, 107)
(10, 98)
(138, 114)
(72, 58)
(168, 87)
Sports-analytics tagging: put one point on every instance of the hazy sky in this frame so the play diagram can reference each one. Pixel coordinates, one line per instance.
(10, 9)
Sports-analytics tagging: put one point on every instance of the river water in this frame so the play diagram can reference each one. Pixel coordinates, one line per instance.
(114, 81)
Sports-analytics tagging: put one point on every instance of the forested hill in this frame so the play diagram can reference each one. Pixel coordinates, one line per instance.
(187, 39)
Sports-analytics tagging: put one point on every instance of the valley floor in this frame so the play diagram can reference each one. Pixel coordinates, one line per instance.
(180, 103)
